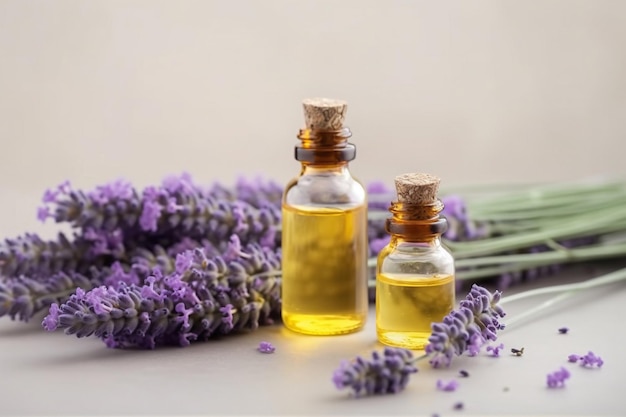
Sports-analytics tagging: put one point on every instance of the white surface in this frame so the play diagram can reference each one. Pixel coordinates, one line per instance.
(53, 374)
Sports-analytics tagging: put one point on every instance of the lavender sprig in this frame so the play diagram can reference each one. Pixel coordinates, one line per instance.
(33, 256)
(177, 209)
(475, 322)
(383, 374)
(21, 297)
(203, 297)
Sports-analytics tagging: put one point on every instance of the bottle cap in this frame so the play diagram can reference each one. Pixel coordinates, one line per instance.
(417, 188)
(324, 113)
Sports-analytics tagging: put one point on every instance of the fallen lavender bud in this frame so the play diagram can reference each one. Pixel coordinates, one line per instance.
(588, 360)
(557, 378)
(475, 322)
(266, 347)
(451, 385)
(383, 374)
(563, 330)
(495, 350)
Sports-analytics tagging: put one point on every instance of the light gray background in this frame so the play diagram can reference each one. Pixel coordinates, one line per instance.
(476, 92)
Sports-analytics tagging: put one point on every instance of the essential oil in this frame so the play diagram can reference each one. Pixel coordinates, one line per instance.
(324, 230)
(408, 304)
(325, 262)
(415, 283)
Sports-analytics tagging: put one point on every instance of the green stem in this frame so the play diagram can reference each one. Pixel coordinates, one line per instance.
(610, 278)
(574, 227)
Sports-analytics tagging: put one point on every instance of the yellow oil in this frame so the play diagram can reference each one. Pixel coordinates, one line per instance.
(406, 305)
(324, 288)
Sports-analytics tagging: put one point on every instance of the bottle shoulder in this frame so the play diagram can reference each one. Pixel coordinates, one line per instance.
(322, 189)
(415, 259)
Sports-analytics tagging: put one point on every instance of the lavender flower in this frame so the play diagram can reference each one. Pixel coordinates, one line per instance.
(383, 374)
(178, 208)
(563, 330)
(201, 298)
(473, 324)
(266, 347)
(463, 373)
(557, 378)
(31, 255)
(451, 385)
(22, 297)
(588, 360)
(460, 225)
(379, 196)
(495, 350)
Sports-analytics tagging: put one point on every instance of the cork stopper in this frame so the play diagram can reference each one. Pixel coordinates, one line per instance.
(324, 113)
(417, 188)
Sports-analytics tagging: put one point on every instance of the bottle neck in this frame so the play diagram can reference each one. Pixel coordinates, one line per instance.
(340, 168)
(325, 148)
(416, 223)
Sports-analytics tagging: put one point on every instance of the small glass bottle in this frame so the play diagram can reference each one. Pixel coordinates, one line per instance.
(415, 273)
(324, 229)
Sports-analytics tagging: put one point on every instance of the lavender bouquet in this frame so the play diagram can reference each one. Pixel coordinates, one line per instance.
(165, 265)
(179, 262)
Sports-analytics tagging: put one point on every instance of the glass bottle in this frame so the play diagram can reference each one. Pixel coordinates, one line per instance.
(324, 230)
(415, 272)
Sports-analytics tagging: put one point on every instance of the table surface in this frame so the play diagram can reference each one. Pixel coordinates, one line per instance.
(46, 373)
(54, 374)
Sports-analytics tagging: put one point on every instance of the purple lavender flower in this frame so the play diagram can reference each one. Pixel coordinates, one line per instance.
(451, 385)
(376, 245)
(200, 298)
(31, 255)
(474, 323)
(495, 350)
(458, 405)
(266, 347)
(475, 344)
(383, 374)
(557, 378)
(176, 209)
(117, 276)
(563, 330)
(258, 192)
(463, 373)
(379, 196)
(22, 297)
(588, 360)
(43, 213)
(460, 225)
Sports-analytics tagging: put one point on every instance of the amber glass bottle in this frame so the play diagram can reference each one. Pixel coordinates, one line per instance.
(415, 273)
(324, 230)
